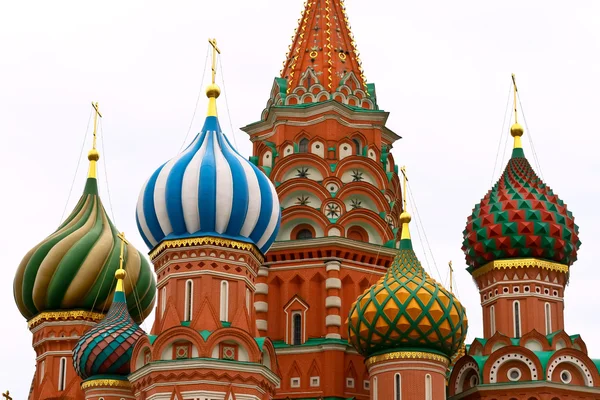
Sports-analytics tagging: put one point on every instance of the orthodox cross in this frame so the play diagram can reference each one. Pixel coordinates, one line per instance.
(515, 93)
(451, 274)
(123, 243)
(96, 115)
(7, 395)
(213, 43)
(404, 194)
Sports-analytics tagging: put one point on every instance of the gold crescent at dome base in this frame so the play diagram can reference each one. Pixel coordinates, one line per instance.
(114, 383)
(199, 241)
(521, 263)
(52, 316)
(407, 355)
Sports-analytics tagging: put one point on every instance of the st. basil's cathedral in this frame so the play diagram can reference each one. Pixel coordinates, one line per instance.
(292, 275)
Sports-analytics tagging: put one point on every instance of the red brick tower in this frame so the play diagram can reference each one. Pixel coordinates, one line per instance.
(323, 142)
(208, 216)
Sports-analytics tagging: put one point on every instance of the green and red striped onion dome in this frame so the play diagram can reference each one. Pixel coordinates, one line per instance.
(73, 268)
(106, 348)
(520, 217)
(406, 310)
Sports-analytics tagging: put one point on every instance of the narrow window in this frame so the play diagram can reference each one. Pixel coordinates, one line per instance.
(62, 374)
(248, 300)
(296, 328)
(548, 318)
(492, 320)
(189, 298)
(304, 234)
(374, 388)
(517, 317)
(357, 148)
(303, 146)
(42, 370)
(163, 300)
(428, 394)
(224, 301)
(397, 387)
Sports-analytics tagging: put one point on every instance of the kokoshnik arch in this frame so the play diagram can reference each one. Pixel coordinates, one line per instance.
(291, 274)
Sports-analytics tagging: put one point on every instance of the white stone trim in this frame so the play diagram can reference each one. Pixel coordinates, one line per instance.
(332, 265)
(262, 288)
(333, 301)
(333, 283)
(460, 376)
(263, 271)
(261, 306)
(589, 381)
(510, 357)
(333, 336)
(333, 320)
(261, 324)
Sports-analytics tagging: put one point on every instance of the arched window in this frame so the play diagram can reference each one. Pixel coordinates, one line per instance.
(374, 390)
(42, 370)
(548, 313)
(517, 318)
(189, 300)
(304, 234)
(492, 320)
(296, 328)
(224, 301)
(428, 388)
(62, 374)
(357, 146)
(303, 146)
(248, 300)
(397, 387)
(163, 300)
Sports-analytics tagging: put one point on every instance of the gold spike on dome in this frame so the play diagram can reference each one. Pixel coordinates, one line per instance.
(120, 273)
(93, 155)
(516, 130)
(405, 217)
(213, 91)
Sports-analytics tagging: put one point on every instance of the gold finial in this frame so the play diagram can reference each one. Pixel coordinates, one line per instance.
(120, 274)
(213, 91)
(516, 130)
(451, 275)
(405, 217)
(93, 155)
(7, 395)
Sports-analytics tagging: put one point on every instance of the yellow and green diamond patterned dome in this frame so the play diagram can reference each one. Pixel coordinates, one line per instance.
(406, 310)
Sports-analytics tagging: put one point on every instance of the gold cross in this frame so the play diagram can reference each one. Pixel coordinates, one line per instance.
(7, 395)
(96, 115)
(451, 273)
(213, 43)
(123, 243)
(403, 170)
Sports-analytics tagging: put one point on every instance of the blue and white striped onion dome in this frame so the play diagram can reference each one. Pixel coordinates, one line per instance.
(209, 190)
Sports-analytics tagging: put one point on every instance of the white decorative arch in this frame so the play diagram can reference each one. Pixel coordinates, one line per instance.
(461, 375)
(513, 357)
(585, 372)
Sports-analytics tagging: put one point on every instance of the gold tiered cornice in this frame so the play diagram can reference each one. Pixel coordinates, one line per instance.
(52, 316)
(115, 383)
(407, 355)
(206, 240)
(518, 263)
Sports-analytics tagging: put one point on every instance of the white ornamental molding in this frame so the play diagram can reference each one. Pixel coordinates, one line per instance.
(510, 357)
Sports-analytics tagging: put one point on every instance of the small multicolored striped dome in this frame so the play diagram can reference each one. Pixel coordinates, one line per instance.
(520, 217)
(209, 190)
(406, 310)
(106, 348)
(72, 269)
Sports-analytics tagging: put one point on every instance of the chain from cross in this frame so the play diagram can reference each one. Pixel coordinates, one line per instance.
(213, 43)
(7, 395)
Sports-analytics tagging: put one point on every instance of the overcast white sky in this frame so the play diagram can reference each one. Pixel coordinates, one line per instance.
(441, 68)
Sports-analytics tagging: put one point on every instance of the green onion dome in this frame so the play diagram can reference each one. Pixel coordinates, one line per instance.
(520, 217)
(106, 348)
(406, 310)
(73, 268)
